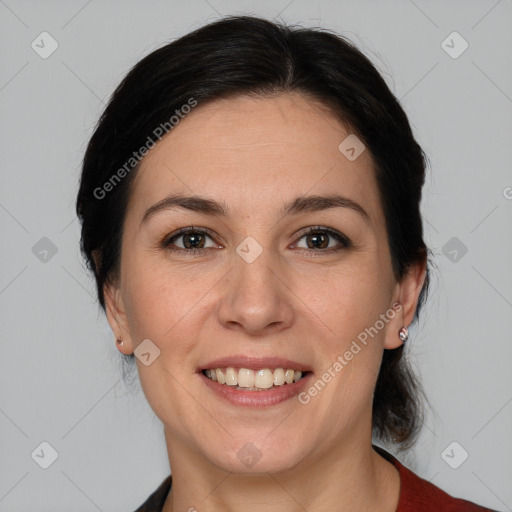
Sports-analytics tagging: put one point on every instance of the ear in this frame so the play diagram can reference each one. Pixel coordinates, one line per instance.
(116, 316)
(407, 295)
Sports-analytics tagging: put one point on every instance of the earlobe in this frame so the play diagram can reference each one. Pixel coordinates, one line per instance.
(116, 316)
(409, 290)
(396, 332)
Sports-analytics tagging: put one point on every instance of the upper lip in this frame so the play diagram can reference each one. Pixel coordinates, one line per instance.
(255, 363)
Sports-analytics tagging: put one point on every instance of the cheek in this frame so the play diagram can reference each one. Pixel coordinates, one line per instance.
(163, 302)
(346, 300)
(159, 307)
(348, 309)
(147, 296)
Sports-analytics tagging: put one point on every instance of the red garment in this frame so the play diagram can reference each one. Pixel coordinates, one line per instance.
(419, 495)
(416, 494)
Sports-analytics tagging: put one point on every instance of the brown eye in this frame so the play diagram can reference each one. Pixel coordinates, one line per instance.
(193, 240)
(319, 238)
(188, 240)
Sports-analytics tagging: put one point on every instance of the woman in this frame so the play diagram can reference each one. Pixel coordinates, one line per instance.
(250, 210)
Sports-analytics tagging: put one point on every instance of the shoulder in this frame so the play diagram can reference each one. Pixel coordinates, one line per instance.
(156, 500)
(419, 495)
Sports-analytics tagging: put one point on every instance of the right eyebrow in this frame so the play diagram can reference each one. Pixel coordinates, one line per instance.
(193, 203)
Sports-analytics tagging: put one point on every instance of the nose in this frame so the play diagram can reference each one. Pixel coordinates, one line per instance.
(257, 299)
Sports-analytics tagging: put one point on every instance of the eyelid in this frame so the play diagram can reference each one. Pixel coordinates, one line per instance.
(331, 231)
(340, 237)
(183, 231)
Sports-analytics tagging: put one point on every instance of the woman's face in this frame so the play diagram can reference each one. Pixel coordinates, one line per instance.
(258, 286)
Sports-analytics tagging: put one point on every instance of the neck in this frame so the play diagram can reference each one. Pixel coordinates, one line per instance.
(350, 477)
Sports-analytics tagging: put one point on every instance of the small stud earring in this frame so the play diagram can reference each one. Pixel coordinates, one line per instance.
(120, 342)
(403, 334)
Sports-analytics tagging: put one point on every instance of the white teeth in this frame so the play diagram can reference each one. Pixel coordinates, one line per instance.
(231, 379)
(278, 377)
(263, 379)
(220, 376)
(252, 380)
(246, 378)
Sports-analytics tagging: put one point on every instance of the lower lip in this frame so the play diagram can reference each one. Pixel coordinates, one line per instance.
(264, 398)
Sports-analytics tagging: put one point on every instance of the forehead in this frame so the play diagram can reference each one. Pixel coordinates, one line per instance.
(255, 153)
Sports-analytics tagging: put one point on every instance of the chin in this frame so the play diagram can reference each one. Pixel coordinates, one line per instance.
(253, 464)
(252, 457)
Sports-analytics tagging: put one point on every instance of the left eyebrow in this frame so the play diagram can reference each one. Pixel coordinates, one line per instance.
(298, 205)
(318, 203)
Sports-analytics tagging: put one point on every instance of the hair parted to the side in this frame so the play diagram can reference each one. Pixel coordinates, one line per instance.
(243, 55)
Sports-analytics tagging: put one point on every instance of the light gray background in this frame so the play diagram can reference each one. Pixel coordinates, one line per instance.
(60, 379)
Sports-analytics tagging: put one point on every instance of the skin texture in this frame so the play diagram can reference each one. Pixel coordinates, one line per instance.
(293, 301)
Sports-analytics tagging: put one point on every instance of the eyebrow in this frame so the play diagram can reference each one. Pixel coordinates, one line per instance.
(298, 205)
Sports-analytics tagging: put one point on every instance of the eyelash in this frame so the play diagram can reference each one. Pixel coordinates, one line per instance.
(342, 239)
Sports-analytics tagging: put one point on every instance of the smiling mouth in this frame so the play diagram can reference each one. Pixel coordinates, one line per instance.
(245, 379)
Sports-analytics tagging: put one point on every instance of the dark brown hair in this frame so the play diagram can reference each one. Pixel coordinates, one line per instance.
(248, 55)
